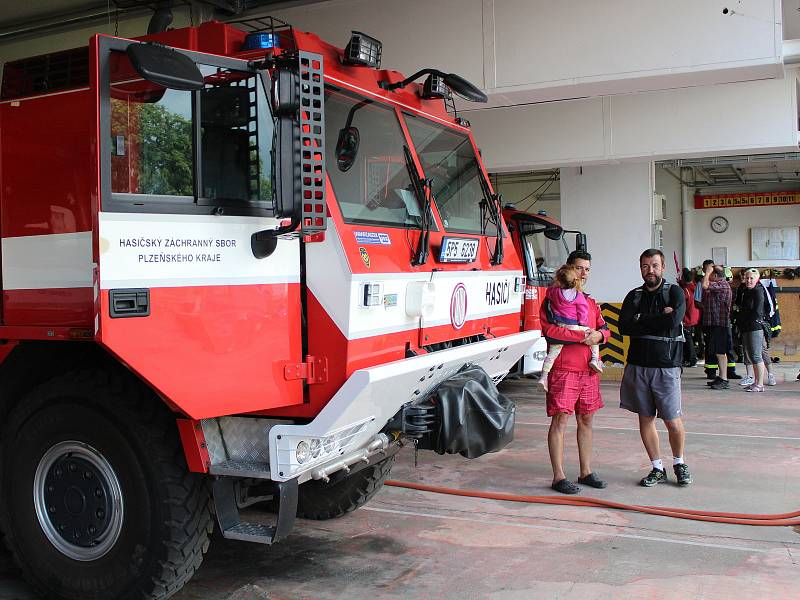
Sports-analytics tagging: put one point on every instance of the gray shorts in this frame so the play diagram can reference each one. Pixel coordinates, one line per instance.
(651, 391)
(753, 346)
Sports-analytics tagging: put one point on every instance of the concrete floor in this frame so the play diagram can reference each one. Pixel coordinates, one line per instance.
(744, 452)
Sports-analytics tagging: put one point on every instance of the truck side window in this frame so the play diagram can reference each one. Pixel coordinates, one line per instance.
(236, 132)
(171, 149)
(151, 141)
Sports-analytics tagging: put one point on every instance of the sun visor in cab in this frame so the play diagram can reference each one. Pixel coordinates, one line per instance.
(475, 417)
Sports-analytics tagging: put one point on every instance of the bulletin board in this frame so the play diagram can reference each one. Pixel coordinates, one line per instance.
(775, 243)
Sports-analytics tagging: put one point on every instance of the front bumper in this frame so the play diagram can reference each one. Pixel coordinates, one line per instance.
(533, 359)
(348, 429)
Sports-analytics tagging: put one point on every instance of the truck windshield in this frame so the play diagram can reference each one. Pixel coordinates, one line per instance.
(449, 160)
(544, 258)
(367, 164)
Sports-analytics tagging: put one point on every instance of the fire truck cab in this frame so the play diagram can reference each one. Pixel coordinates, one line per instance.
(239, 265)
(543, 245)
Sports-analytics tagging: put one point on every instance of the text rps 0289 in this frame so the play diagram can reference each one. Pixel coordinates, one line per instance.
(458, 250)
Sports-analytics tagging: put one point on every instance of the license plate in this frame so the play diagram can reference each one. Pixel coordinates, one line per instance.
(458, 250)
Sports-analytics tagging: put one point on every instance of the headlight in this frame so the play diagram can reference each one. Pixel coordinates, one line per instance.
(303, 452)
(316, 447)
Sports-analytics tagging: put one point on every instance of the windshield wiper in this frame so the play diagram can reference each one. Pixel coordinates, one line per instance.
(493, 204)
(419, 184)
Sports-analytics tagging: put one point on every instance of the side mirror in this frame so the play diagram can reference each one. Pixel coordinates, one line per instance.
(165, 66)
(553, 233)
(464, 88)
(347, 148)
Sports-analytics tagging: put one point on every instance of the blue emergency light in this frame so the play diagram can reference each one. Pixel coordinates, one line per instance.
(260, 40)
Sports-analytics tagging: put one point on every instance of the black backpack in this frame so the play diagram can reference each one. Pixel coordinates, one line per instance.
(637, 301)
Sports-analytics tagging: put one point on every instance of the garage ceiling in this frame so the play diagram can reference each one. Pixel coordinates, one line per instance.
(22, 19)
(738, 172)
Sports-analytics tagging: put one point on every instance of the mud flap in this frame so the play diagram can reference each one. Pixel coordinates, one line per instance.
(474, 417)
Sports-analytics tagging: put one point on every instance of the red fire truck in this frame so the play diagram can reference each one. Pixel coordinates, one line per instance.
(542, 245)
(238, 265)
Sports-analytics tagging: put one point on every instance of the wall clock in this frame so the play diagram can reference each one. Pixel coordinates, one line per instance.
(719, 224)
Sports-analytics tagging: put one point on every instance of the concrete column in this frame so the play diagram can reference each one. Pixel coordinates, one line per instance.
(613, 206)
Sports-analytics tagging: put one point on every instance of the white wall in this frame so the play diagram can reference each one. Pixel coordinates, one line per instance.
(737, 237)
(541, 44)
(755, 116)
(445, 34)
(523, 51)
(612, 205)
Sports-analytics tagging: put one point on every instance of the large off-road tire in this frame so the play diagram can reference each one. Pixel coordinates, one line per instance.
(96, 501)
(320, 501)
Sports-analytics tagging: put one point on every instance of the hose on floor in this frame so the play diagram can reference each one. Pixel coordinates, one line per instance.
(789, 519)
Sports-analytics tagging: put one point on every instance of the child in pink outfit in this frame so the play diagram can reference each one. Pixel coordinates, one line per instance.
(570, 310)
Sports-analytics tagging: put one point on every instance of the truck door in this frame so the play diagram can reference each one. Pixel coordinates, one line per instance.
(180, 297)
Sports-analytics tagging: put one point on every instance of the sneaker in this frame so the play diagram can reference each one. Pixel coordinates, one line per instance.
(653, 477)
(596, 365)
(754, 388)
(749, 380)
(715, 380)
(720, 384)
(733, 375)
(771, 379)
(682, 474)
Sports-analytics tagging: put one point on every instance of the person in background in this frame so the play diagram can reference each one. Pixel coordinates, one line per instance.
(652, 315)
(711, 361)
(750, 378)
(717, 297)
(751, 319)
(690, 319)
(774, 319)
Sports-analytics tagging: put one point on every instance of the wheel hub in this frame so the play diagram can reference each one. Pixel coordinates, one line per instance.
(78, 500)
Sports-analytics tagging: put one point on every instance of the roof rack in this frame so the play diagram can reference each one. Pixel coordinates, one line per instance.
(267, 24)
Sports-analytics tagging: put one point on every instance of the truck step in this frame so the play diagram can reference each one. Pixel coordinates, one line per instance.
(240, 468)
(250, 532)
(228, 513)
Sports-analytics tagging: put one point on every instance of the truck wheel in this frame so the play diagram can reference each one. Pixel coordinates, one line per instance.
(96, 501)
(320, 501)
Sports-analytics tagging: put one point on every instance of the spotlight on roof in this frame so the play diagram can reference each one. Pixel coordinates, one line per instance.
(435, 87)
(363, 50)
(458, 84)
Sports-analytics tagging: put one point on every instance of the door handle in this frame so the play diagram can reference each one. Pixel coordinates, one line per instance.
(129, 303)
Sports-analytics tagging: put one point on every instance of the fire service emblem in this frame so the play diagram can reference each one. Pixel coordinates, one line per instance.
(364, 255)
(458, 306)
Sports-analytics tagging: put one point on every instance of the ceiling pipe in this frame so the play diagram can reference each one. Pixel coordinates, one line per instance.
(686, 249)
(711, 161)
(791, 52)
(93, 14)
